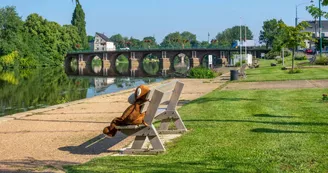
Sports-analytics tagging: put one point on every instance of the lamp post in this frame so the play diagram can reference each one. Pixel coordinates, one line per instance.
(296, 19)
(320, 27)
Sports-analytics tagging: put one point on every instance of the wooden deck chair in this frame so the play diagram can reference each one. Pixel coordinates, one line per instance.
(142, 132)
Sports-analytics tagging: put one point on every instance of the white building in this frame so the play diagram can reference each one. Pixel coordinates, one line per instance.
(101, 43)
(314, 29)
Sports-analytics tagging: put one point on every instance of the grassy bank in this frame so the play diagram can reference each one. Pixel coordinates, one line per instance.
(240, 131)
(267, 73)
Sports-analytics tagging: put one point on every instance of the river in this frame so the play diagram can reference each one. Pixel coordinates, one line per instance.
(27, 89)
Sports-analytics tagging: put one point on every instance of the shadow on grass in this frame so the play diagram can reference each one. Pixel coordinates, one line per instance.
(97, 145)
(215, 99)
(260, 122)
(266, 130)
(31, 164)
(271, 116)
(142, 164)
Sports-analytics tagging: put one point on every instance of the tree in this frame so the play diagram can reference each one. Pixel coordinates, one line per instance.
(149, 42)
(11, 26)
(269, 32)
(226, 38)
(176, 40)
(78, 20)
(118, 40)
(292, 37)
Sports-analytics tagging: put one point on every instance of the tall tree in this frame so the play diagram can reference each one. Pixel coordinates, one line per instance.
(149, 42)
(11, 26)
(118, 40)
(78, 20)
(269, 32)
(292, 37)
(184, 40)
(226, 38)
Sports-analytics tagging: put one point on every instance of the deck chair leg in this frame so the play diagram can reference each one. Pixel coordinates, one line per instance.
(138, 142)
(156, 143)
(179, 124)
(165, 124)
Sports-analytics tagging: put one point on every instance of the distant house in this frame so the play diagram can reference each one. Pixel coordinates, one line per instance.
(101, 43)
(243, 43)
(314, 29)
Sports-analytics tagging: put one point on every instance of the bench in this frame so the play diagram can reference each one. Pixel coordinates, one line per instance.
(162, 107)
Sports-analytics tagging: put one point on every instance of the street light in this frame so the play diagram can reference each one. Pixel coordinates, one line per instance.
(296, 19)
(320, 27)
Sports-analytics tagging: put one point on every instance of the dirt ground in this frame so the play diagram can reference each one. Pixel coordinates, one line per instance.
(45, 139)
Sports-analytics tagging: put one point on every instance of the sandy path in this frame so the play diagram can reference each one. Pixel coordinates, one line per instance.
(43, 140)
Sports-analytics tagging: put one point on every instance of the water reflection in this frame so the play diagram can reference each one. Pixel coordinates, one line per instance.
(23, 90)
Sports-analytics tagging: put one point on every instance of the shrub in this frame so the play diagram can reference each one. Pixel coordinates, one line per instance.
(272, 55)
(300, 56)
(287, 52)
(296, 70)
(321, 60)
(238, 63)
(202, 72)
(279, 60)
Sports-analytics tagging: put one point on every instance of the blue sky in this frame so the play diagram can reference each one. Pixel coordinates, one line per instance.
(140, 18)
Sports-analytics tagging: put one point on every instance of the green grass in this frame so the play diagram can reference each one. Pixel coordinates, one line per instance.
(240, 131)
(267, 73)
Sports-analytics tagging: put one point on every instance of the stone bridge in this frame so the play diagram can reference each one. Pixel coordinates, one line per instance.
(135, 57)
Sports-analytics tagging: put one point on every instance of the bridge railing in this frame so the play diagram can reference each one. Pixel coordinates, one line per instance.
(168, 48)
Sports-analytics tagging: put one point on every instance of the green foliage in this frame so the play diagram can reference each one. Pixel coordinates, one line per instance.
(272, 54)
(9, 60)
(300, 56)
(296, 70)
(226, 38)
(201, 72)
(78, 20)
(269, 32)
(315, 12)
(279, 60)
(37, 41)
(179, 40)
(321, 60)
(238, 63)
(287, 52)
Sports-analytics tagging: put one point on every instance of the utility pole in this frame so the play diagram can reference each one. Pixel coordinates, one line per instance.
(320, 27)
(241, 46)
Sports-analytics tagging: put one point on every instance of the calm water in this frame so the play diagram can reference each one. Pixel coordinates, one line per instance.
(23, 90)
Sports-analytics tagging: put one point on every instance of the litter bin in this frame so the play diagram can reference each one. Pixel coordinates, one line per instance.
(233, 75)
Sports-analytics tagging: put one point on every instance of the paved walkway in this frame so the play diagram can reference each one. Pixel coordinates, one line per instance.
(46, 139)
(293, 84)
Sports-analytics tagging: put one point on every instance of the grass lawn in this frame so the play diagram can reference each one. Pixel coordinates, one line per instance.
(267, 73)
(240, 131)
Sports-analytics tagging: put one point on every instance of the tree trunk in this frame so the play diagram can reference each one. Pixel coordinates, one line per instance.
(293, 58)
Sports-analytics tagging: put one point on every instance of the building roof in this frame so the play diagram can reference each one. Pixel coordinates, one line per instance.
(103, 36)
(315, 24)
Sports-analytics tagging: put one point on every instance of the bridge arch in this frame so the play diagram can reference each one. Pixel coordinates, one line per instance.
(94, 64)
(150, 64)
(122, 64)
(181, 63)
(72, 64)
(216, 60)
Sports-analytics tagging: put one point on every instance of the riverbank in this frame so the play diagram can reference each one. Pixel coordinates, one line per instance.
(59, 135)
